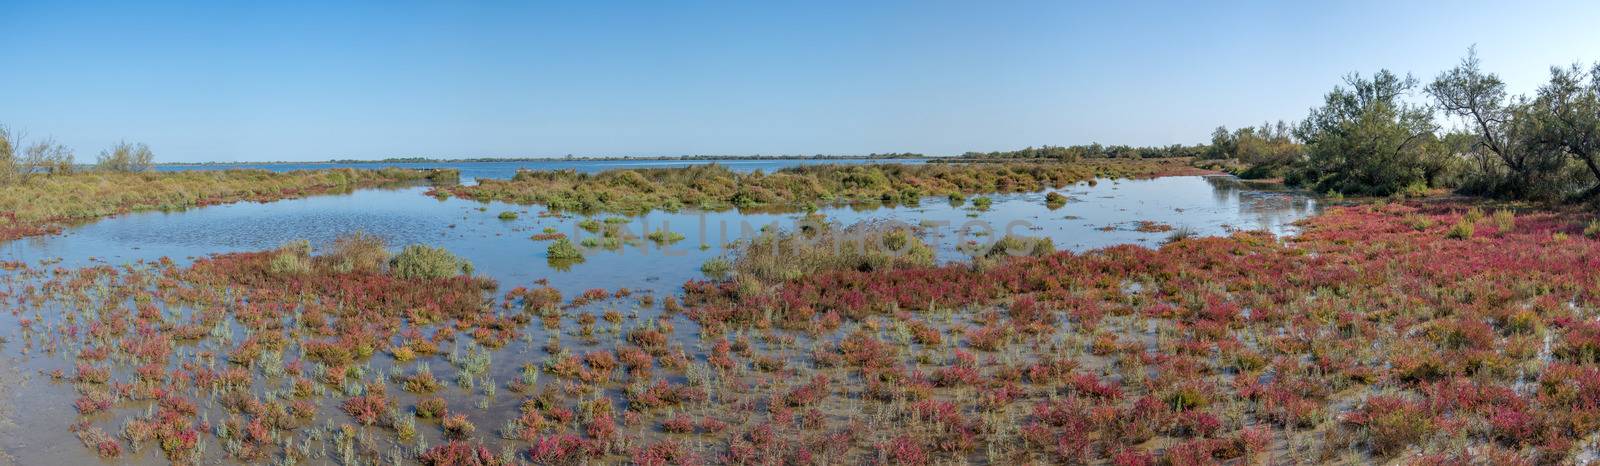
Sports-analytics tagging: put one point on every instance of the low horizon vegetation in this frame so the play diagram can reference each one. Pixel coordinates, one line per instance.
(45, 204)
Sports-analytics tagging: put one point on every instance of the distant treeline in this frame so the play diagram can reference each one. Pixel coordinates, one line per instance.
(872, 156)
(1078, 152)
(1381, 135)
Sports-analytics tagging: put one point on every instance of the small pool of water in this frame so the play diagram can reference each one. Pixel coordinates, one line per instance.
(1099, 214)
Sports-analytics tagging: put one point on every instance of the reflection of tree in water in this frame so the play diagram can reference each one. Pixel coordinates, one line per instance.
(1224, 188)
(1271, 205)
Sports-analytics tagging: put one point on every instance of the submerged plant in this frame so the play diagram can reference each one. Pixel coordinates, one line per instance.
(982, 203)
(664, 236)
(1054, 200)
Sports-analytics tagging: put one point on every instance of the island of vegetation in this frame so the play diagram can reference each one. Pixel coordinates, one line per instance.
(714, 187)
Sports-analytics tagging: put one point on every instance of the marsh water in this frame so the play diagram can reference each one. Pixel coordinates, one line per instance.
(1098, 214)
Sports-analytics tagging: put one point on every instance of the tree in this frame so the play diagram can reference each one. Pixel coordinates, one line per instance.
(1366, 140)
(8, 156)
(1501, 129)
(1221, 144)
(1268, 150)
(1566, 119)
(127, 158)
(19, 164)
(48, 157)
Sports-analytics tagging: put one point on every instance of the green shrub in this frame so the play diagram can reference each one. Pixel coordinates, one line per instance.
(562, 249)
(1417, 188)
(423, 262)
(508, 215)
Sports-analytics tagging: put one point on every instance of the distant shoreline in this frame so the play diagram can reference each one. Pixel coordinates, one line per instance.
(680, 158)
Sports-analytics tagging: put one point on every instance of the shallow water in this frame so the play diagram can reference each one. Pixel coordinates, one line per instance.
(1099, 214)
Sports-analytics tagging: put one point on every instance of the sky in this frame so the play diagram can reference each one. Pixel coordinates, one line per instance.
(300, 81)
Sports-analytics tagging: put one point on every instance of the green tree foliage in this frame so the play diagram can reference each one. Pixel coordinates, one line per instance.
(127, 158)
(8, 156)
(1091, 151)
(1566, 116)
(1366, 139)
(1497, 137)
(1268, 150)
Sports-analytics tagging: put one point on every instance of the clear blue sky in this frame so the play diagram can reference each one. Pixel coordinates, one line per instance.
(236, 81)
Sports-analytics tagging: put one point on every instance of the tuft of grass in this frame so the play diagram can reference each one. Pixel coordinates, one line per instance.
(1462, 229)
(293, 258)
(1504, 221)
(1418, 222)
(358, 252)
(1593, 229)
(289, 263)
(1179, 234)
(508, 215)
(1016, 245)
(716, 267)
(982, 203)
(423, 262)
